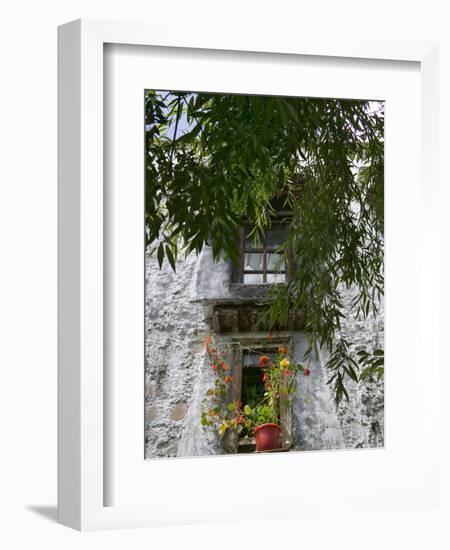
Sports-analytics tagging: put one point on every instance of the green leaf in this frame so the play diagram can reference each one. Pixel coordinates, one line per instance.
(380, 373)
(351, 372)
(170, 257)
(365, 373)
(160, 254)
(291, 110)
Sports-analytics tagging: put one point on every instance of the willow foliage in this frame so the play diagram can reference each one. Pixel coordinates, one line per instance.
(213, 160)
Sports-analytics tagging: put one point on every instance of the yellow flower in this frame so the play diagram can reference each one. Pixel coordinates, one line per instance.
(284, 363)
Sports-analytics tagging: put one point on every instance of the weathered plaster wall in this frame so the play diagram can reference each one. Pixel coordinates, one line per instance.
(174, 353)
(177, 374)
(362, 418)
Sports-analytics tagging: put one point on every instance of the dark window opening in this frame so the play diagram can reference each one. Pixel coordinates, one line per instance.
(252, 389)
(252, 392)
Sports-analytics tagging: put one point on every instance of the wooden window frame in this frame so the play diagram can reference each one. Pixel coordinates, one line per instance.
(262, 343)
(264, 250)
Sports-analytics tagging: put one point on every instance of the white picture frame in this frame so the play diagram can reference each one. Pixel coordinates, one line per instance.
(81, 407)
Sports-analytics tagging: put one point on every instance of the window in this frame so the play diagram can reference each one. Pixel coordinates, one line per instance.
(262, 262)
(249, 389)
(252, 392)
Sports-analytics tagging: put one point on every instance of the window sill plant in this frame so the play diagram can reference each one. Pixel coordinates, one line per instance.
(262, 419)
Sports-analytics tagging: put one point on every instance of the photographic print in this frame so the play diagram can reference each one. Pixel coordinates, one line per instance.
(264, 274)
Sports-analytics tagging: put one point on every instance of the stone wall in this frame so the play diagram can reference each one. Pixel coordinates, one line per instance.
(177, 373)
(362, 418)
(174, 334)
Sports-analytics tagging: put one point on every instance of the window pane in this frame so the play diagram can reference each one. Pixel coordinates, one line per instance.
(276, 237)
(276, 277)
(253, 278)
(253, 262)
(275, 262)
(249, 241)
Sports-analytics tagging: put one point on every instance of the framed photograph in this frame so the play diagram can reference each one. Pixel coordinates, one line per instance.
(244, 263)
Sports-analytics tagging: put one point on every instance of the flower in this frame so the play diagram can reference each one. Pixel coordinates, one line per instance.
(307, 372)
(284, 363)
(228, 379)
(287, 372)
(225, 366)
(263, 360)
(282, 350)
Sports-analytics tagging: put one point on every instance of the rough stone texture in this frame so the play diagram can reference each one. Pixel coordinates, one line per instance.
(177, 374)
(362, 418)
(175, 332)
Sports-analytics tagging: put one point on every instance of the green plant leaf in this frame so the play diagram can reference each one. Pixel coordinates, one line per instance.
(170, 257)
(160, 254)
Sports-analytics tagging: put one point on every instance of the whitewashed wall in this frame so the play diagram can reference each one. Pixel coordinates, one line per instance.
(177, 373)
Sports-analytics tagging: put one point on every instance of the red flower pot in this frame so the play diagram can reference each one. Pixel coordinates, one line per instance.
(268, 437)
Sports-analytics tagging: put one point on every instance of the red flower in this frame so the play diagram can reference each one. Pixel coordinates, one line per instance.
(307, 372)
(263, 360)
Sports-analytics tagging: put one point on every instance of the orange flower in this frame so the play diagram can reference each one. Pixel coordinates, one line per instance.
(214, 366)
(225, 366)
(228, 379)
(282, 350)
(263, 360)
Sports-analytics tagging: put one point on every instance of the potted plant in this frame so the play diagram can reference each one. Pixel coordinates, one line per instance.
(267, 429)
(261, 419)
